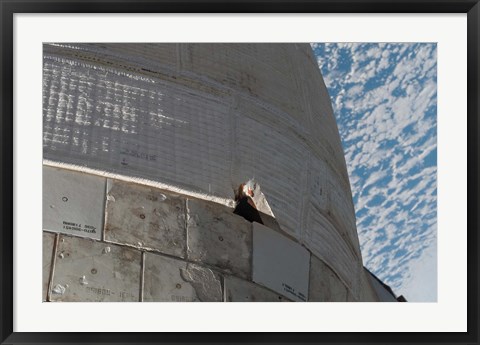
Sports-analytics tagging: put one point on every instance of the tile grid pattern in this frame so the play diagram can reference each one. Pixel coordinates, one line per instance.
(213, 254)
(185, 115)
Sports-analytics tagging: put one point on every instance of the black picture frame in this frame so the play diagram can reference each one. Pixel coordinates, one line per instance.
(10, 7)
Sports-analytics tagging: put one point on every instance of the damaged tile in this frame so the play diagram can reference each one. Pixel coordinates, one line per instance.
(73, 202)
(239, 290)
(90, 271)
(170, 280)
(218, 237)
(145, 217)
(325, 286)
(47, 255)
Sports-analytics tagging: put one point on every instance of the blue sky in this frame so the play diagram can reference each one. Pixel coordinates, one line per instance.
(384, 97)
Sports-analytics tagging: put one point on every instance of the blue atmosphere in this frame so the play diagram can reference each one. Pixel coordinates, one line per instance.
(384, 98)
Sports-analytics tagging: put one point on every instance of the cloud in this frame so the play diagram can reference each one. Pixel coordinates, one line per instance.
(384, 99)
(420, 285)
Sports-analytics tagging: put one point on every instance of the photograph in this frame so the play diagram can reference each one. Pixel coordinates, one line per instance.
(239, 172)
(172, 153)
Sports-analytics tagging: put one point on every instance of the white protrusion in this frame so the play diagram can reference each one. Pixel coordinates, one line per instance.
(59, 289)
(252, 189)
(83, 281)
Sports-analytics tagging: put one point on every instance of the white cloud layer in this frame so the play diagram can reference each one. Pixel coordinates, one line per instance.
(384, 97)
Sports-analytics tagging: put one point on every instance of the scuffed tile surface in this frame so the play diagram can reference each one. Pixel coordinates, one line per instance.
(47, 253)
(73, 202)
(239, 290)
(170, 280)
(218, 237)
(145, 217)
(90, 271)
(102, 116)
(325, 286)
(280, 263)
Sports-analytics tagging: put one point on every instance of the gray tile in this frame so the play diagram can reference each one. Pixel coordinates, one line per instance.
(325, 286)
(145, 217)
(239, 290)
(90, 271)
(218, 237)
(350, 297)
(47, 255)
(383, 294)
(280, 264)
(73, 202)
(367, 291)
(170, 280)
